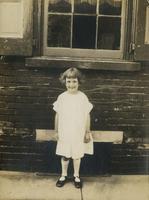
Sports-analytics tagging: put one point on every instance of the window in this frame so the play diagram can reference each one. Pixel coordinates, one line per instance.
(92, 28)
(16, 27)
(12, 24)
(114, 30)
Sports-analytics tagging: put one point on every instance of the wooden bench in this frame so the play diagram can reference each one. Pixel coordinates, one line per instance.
(115, 137)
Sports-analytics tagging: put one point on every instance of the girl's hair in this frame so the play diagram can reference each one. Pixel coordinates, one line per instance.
(71, 73)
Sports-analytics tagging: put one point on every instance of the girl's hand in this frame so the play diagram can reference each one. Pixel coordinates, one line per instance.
(87, 137)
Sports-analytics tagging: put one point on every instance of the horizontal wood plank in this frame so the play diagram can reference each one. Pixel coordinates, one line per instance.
(98, 136)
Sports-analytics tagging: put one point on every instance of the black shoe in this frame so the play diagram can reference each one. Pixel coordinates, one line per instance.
(77, 184)
(60, 183)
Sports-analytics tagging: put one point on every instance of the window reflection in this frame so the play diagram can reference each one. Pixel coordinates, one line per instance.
(110, 7)
(85, 6)
(59, 31)
(109, 33)
(84, 32)
(59, 6)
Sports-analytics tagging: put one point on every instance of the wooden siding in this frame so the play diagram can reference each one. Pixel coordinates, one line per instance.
(121, 102)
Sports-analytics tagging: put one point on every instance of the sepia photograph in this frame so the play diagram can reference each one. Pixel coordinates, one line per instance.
(74, 99)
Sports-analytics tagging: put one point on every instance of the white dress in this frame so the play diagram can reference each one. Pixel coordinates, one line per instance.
(72, 110)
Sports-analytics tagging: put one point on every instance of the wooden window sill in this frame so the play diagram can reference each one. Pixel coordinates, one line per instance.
(82, 63)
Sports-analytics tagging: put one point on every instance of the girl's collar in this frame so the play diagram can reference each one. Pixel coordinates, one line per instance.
(77, 92)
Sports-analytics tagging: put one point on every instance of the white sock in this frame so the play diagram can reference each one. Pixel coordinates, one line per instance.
(62, 178)
(77, 179)
(76, 166)
(64, 164)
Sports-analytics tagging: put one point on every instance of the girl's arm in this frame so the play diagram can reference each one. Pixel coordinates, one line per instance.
(88, 123)
(87, 132)
(56, 126)
(56, 122)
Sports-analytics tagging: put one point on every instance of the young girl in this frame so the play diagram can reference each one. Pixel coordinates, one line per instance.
(72, 125)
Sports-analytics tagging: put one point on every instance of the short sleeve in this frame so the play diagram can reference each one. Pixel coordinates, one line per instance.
(56, 105)
(88, 105)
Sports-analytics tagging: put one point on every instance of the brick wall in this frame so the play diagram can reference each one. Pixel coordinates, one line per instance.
(26, 95)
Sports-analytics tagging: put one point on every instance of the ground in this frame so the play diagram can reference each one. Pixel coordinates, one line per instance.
(33, 186)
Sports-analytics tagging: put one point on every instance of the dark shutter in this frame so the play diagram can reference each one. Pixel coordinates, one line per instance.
(141, 46)
(16, 27)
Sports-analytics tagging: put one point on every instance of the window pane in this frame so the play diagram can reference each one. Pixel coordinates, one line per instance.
(84, 31)
(59, 31)
(85, 6)
(110, 7)
(109, 33)
(59, 6)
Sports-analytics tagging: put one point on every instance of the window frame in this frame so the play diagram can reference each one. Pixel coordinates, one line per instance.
(90, 53)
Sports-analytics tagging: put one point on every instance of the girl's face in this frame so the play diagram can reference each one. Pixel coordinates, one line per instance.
(72, 85)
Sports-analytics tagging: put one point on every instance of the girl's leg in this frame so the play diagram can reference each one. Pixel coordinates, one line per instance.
(64, 164)
(76, 166)
(62, 180)
(77, 180)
